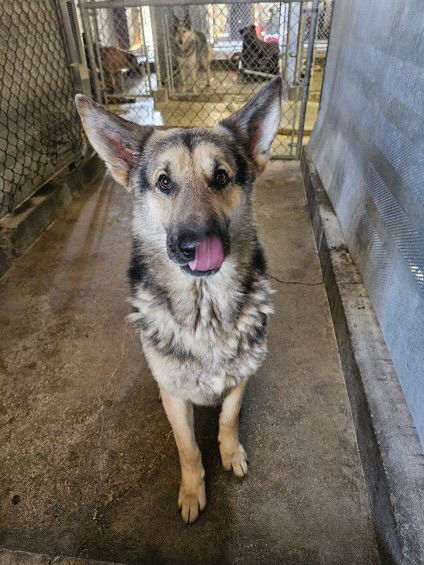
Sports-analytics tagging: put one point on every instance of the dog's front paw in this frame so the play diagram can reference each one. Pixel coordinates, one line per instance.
(191, 500)
(233, 456)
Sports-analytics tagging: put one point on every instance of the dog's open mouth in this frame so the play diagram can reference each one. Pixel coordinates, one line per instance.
(209, 256)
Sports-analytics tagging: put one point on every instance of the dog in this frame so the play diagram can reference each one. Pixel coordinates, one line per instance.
(257, 55)
(192, 54)
(114, 62)
(200, 294)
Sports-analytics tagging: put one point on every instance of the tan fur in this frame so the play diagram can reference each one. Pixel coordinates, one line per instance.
(192, 55)
(203, 337)
(193, 171)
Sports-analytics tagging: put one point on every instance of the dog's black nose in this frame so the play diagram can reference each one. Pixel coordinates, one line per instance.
(187, 245)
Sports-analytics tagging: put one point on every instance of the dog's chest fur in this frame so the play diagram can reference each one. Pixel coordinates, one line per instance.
(202, 337)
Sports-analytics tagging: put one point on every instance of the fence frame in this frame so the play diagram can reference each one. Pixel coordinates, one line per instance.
(168, 3)
(89, 5)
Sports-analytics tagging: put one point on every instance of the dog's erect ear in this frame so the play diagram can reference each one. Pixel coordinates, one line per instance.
(176, 21)
(118, 142)
(256, 124)
(187, 21)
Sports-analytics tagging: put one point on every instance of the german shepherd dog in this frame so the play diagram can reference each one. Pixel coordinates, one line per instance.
(200, 293)
(192, 54)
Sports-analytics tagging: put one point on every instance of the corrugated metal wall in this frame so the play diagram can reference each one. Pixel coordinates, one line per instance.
(368, 147)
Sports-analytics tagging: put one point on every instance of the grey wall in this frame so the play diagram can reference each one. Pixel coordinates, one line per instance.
(368, 147)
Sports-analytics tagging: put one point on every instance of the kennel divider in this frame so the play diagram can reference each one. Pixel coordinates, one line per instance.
(40, 67)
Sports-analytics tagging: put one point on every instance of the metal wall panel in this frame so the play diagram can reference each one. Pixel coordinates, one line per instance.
(368, 147)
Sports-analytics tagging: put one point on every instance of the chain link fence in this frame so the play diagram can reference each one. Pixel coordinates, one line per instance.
(168, 66)
(192, 65)
(39, 128)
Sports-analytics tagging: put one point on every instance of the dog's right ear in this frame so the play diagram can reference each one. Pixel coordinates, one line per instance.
(118, 142)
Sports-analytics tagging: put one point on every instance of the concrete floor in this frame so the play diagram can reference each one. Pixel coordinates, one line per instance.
(88, 464)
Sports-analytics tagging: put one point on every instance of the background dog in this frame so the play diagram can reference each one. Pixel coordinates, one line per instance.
(257, 55)
(192, 54)
(200, 293)
(114, 62)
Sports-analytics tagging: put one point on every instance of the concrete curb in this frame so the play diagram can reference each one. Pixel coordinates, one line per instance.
(20, 229)
(8, 557)
(391, 454)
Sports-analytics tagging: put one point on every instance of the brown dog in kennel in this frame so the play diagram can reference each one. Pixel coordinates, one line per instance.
(114, 63)
(259, 59)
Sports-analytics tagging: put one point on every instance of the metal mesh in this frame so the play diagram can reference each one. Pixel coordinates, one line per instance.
(368, 149)
(192, 65)
(324, 23)
(39, 129)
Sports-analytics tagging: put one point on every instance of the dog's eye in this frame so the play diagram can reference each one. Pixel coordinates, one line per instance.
(164, 183)
(221, 178)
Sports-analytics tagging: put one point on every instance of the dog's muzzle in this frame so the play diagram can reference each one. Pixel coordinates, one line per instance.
(198, 254)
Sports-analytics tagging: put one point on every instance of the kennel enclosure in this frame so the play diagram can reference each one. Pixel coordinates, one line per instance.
(122, 54)
(248, 44)
(40, 133)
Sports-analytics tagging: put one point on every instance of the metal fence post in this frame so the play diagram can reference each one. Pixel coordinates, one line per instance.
(90, 50)
(287, 51)
(96, 48)
(299, 47)
(307, 79)
(146, 48)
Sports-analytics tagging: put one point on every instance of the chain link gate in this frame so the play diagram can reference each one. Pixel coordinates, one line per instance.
(185, 64)
(40, 132)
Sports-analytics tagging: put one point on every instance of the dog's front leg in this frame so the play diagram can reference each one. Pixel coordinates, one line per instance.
(192, 496)
(233, 455)
(208, 72)
(183, 73)
(193, 74)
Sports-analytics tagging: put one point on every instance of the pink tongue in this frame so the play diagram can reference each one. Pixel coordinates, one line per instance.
(209, 254)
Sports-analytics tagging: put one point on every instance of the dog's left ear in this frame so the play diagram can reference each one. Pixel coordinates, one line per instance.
(118, 142)
(187, 21)
(256, 124)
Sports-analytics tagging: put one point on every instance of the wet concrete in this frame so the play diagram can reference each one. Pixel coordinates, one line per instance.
(88, 463)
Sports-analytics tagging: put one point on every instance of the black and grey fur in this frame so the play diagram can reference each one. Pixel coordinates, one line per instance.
(203, 333)
(192, 54)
